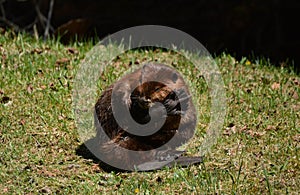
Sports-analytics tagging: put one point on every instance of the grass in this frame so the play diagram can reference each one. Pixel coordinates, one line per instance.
(258, 151)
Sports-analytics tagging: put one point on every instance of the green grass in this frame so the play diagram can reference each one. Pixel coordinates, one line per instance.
(257, 152)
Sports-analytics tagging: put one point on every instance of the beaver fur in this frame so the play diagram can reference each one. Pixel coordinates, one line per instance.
(140, 91)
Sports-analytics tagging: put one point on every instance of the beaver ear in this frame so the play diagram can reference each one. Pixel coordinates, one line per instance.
(144, 72)
(144, 68)
(141, 79)
(142, 75)
(174, 77)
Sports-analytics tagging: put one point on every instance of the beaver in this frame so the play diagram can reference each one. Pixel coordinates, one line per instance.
(151, 93)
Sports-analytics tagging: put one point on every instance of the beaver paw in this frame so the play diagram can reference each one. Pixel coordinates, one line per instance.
(166, 155)
(177, 102)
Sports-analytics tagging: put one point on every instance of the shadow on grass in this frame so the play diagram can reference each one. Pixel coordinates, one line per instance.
(181, 161)
(84, 152)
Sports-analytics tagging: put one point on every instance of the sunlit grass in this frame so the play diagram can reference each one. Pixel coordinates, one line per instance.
(258, 151)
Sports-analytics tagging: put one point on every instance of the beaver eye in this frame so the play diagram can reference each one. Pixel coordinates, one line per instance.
(157, 89)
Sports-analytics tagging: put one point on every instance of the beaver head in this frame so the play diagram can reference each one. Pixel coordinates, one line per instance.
(155, 84)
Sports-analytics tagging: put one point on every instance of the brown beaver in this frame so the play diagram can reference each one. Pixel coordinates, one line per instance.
(144, 93)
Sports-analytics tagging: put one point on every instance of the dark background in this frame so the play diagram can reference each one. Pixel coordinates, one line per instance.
(242, 28)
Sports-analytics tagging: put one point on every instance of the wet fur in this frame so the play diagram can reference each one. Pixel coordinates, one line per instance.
(146, 90)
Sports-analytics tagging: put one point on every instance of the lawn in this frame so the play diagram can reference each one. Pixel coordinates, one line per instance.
(257, 151)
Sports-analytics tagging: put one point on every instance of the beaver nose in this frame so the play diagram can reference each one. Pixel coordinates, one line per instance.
(145, 102)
